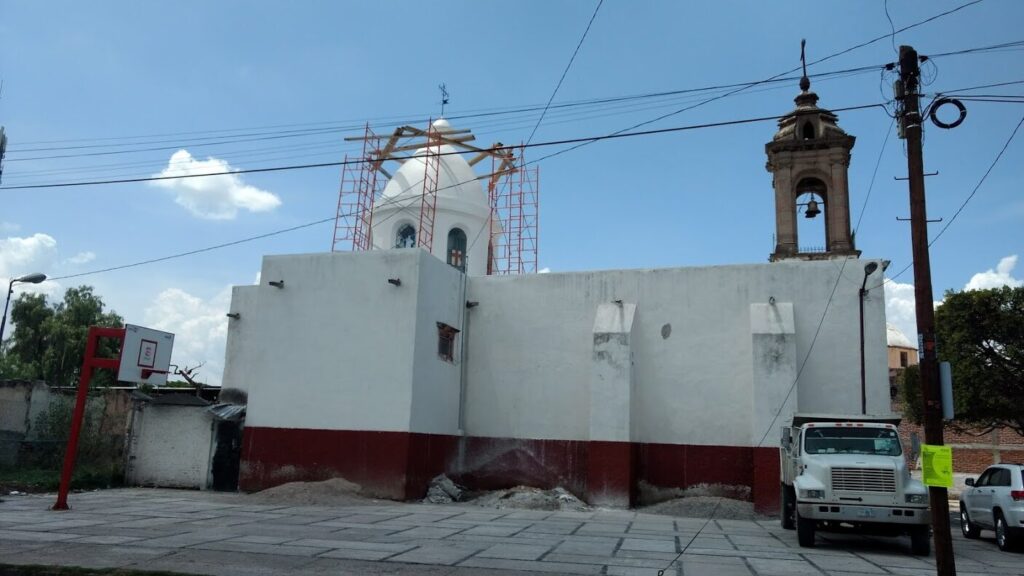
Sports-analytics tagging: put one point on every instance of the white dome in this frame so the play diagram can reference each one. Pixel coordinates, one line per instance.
(456, 178)
(896, 337)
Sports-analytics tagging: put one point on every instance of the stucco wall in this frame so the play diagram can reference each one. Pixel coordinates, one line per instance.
(531, 341)
(171, 447)
(435, 382)
(243, 338)
(338, 348)
(334, 348)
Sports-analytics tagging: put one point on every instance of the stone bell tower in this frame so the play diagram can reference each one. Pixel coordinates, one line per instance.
(809, 158)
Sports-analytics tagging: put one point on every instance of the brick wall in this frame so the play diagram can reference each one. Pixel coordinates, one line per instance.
(973, 451)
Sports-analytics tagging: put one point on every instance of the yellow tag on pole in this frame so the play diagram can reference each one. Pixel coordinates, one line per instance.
(937, 465)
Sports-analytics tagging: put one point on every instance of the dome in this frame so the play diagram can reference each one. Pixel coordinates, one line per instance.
(895, 337)
(456, 178)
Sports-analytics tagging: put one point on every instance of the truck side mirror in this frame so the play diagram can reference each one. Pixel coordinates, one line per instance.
(787, 441)
(915, 446)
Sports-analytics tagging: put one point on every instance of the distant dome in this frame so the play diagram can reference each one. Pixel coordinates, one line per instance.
(895, 337)
(456, 178)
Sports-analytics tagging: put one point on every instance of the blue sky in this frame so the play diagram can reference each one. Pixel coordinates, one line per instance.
(89, 71)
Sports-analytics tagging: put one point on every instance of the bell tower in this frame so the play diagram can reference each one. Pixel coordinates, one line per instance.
(809, 158)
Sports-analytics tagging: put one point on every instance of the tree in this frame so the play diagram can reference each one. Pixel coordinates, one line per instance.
(910, 389)
(48, 342)
(981, 334)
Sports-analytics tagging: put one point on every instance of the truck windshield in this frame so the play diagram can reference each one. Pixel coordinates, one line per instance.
(877, 441)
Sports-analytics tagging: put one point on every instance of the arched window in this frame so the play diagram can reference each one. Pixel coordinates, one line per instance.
(406, 237)
(457, 248)
(808, 131)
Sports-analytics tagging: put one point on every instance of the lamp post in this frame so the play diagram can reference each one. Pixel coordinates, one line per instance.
(35, 278)
(869, 269)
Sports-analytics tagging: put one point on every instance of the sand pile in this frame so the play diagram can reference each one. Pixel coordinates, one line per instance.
(333, 492)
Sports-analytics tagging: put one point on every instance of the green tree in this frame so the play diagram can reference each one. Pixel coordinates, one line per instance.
(48, 342)
(910, 389)
(981, 334)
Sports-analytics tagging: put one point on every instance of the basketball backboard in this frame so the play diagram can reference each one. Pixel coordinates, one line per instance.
(145, 351)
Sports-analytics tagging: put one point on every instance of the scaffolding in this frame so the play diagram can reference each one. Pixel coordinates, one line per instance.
(512, 193)
(359, 189)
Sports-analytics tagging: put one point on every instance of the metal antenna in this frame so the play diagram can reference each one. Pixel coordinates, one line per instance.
(444, 96)
(805, 82)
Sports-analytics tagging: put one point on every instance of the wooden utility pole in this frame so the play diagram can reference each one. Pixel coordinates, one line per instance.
(910, 121)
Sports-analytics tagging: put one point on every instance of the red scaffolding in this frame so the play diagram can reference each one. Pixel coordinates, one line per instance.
(359, 189)
(514, 195)
(513, 191)
(428, 201)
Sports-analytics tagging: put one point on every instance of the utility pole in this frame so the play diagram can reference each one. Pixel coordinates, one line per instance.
(910, 120)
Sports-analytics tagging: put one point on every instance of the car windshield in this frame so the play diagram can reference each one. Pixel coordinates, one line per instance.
(849, 440)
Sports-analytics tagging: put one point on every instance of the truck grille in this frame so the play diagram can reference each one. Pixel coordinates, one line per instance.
(863, 480)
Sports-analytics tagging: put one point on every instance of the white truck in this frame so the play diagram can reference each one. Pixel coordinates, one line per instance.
(850, 473)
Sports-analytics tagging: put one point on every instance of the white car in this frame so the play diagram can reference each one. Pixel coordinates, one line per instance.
(995, 502)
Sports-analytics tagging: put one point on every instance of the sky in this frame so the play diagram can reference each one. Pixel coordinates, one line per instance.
(192, 87)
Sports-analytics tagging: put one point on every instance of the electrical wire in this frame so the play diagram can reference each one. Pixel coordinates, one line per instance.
(574, 141)
(963, 205)
(565, 71)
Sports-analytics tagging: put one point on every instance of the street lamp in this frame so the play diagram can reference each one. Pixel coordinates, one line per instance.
(869, 269)
(35, 278)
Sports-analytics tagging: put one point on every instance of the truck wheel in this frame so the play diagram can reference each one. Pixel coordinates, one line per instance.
(805, 531)
(920, 541)
(970, 530)
(788, 508)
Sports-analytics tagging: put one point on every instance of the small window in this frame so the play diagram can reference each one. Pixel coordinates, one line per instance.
(446, 341)
(406, 237)
(904, 359)
(457, 249)
(808, 131)
(1001, 478)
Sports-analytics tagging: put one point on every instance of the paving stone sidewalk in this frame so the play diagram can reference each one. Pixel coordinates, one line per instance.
(227, 534)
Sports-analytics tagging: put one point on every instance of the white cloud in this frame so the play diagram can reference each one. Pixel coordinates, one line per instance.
(213, 197)
(26, 255)
(544, 270)
(900, 307)
(1001, 276)
(81, 258)
(200, 329)
(900, 302)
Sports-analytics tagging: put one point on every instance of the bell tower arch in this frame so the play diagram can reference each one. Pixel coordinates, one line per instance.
(809, 158)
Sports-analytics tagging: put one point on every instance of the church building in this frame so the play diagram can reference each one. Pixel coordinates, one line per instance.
(390, 365)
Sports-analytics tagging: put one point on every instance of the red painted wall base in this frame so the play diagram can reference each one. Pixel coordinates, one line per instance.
(399, 465)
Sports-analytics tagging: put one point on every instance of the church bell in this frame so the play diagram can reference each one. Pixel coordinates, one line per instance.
(812, 209)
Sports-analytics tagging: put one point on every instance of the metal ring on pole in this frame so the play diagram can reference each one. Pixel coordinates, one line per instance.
(938, 104)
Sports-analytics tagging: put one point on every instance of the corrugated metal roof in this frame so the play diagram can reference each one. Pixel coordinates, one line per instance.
(227, 411)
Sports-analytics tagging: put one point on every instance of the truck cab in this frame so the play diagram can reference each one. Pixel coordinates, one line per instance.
(850, 473)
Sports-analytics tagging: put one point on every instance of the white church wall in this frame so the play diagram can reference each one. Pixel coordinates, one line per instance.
(336, 344)
(435, 384)
(531, 344)
(242, 338)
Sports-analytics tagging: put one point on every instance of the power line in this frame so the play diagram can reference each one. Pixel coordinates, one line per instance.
(566, 71)
(962, 205)
(332, 129)
(577, 141)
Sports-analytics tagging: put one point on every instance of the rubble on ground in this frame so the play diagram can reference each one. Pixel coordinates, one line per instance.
(529, 498)
(443, 490)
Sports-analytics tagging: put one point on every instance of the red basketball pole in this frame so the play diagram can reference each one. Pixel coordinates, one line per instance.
(89, 362)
